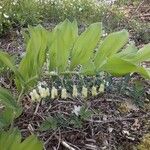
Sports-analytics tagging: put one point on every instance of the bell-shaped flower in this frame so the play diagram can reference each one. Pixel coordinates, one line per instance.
(94, 91)
(75, 91)
(32, 96)
(63, 93)
(36, 95)
(54, 93)
(101, 88)
(84, 92)
(47, 91)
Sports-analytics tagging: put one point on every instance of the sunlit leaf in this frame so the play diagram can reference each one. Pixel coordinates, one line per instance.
(143, 54)
(118, 67)
(64, 37)
(111, 45)
(84, 46)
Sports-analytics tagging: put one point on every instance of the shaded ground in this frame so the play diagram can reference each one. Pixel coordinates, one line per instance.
(117, 120)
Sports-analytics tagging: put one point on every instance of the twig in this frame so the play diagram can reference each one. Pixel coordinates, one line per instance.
(20, 95)
(77, 148)
(59, 140)
(36, 109)
(117, 119)
(65, 144)
(144, 15)
(47, 141)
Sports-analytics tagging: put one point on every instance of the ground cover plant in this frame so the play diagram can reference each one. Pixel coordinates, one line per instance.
(59, 71)
(14, 15)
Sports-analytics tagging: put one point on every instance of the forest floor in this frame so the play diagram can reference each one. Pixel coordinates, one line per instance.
(120, 117)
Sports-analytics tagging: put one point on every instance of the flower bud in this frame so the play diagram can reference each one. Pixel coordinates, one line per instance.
(36, 95)
(94, 91)
(54, 92)
(32, 96)
(41, 90)
(63, 93)
(47, 91)
(75, 91)
(84, 92)
(101, 88)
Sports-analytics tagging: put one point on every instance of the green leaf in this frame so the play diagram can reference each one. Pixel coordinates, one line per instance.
(7, 61)
(6, 117)
(11, 140)
(85, 113)
(118, 67)
(84, 46)
(111, 45)
(128, 53)
(143, 54)
(64, 37)
(88, 69)
(11, 109)
(31, 65)
(7, 99)
(31, 143)
(49, 123)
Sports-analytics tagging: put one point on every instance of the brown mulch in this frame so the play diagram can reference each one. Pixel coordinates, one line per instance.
(108, 129)
(116, 122)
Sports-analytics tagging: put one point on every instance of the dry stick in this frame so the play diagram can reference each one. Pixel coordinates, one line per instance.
(117, 119)
(144, 15)
(36, 109)
(47, 141)
(77, 148)
(65, 144)
(59, 139)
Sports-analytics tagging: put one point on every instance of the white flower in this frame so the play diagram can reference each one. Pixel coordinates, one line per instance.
(6, 16)
(43, 92)
(94, 91)
(54, 92)
(32, 96)
(75, 91)
(76, 110)
(84, 92)
(63, 93)
(35, 95)
(101, 88)
(1, 7)
(42, 83)
(47, 91)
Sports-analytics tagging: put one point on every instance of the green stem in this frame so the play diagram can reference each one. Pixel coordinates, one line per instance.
(63, 73)
(20, 95)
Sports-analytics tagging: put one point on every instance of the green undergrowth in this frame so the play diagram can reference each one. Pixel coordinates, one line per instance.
(14, 14)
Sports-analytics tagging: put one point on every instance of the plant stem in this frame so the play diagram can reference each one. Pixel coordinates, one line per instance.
(20, 95)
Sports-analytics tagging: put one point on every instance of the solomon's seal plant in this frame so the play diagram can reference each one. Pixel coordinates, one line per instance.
(72, 64)
(70, 55)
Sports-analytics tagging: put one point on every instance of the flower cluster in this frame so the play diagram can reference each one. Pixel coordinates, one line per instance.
(42, 91)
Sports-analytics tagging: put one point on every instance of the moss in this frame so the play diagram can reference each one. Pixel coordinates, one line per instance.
(145, 143)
